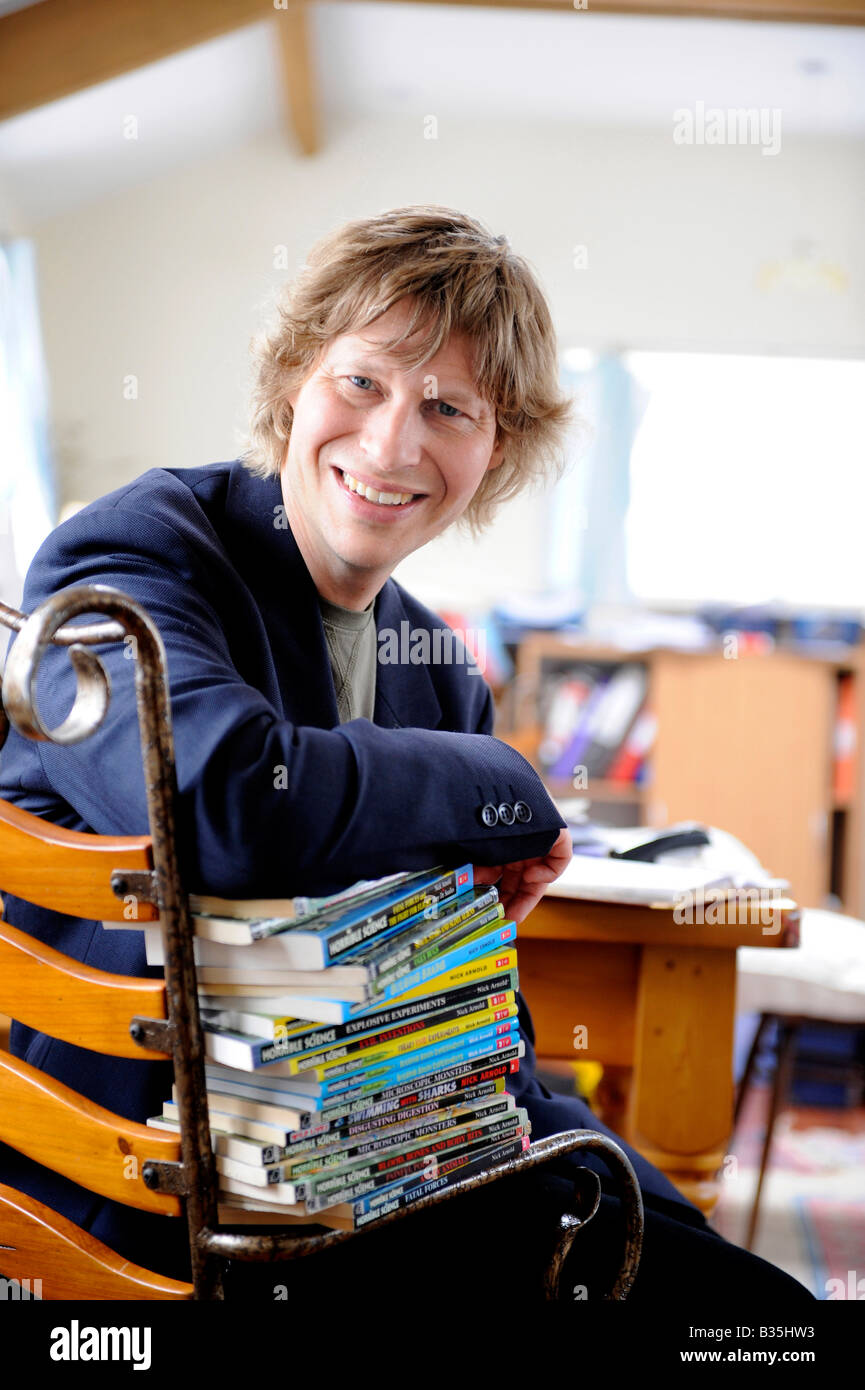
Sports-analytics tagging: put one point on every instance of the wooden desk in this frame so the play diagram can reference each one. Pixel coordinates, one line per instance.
(657, 1002)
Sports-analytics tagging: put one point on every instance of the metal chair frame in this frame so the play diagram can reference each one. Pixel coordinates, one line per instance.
(194, 1178)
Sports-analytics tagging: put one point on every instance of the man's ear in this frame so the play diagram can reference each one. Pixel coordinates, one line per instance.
(497, 457)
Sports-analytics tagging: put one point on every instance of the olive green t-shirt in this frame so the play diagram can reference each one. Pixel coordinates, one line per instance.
(351, 642)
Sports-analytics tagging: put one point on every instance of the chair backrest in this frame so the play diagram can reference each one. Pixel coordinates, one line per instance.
(55, 1126)
(104, 878)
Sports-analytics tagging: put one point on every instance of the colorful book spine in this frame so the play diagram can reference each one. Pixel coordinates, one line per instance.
(570, 756)
(493, 940)
(629, 760)
(250, 1054)
(355, 929)
(326, 1096)
(420, 1063)
(246, 1140)
(446, 922)
(410, 1190)
(302, 1037)
(336, 1188)
(294, 1166)
(448, 1081)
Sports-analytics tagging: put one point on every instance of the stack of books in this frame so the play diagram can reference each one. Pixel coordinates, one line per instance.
(358, 1047)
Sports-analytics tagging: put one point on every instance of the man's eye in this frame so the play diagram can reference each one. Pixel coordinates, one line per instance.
(358, 380)
(449, 411)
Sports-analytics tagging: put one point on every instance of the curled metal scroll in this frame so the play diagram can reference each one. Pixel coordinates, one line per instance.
(46, 627)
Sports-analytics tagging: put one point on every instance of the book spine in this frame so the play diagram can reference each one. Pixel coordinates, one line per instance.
(399, 1115)
(493, 1005)
(845, 742)
(486, 986)
(306, 1041)
(442, 1084)
(421, 1063)
(412, 1132)
(629, 759)
(380, 959)
(286, 1195)
(451, 1171)
(579, 740)
(475, 970)
(445, 941)
(396, 1112)
(343, 942)
(404, 1040)
(336, 1188)
(465, 1137)
(260, 1054)
(493, 940)
(322, 1098)
(469, 1071)
(262, 1179)
(371, 1101)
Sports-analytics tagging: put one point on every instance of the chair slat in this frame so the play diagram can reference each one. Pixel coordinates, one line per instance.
(39, 1244)
(79, 1004)
(68, 870)
(55, 1126)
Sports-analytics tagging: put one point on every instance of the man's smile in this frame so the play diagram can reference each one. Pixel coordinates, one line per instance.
(369, 499)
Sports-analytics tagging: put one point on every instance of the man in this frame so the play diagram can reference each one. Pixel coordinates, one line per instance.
(410, 383)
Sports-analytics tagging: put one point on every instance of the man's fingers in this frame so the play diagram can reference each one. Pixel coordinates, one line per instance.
(486, 873)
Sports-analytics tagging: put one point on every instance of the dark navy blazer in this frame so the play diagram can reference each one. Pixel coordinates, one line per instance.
(275, 795)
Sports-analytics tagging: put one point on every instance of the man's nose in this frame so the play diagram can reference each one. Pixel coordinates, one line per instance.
(391, 434)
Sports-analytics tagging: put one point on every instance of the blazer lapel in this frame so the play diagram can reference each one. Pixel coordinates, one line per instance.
(264, 550)
(405, 696)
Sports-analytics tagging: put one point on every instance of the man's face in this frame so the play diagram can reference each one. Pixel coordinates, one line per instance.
(419, 438)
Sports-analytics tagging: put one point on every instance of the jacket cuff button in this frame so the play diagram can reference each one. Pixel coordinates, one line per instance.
(522, 812)
(506, 813)
(489, 815)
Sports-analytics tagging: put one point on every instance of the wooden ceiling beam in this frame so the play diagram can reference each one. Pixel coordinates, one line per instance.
(52, 49)
(774, 11)
(58, 47)
(55, 48)
(295, 51)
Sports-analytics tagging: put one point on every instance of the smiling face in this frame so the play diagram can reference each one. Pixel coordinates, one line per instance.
(381, 456)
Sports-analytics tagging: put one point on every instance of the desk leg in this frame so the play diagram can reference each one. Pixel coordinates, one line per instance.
(680, 1110)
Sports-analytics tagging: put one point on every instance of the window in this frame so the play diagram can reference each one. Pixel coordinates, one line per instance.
(747, 481)
(26, 474)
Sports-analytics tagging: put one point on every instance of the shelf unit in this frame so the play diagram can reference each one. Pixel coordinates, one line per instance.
(744, 743)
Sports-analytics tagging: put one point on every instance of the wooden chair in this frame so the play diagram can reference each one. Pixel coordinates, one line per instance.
(98, 876)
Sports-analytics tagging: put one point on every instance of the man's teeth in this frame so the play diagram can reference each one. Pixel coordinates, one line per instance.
(388, 499)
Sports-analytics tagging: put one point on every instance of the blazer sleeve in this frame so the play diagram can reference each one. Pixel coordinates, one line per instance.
(264, 806)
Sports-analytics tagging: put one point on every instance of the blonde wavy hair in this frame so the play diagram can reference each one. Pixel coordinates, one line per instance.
(460, 279)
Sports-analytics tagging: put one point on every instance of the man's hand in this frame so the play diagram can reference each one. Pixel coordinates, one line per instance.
(523, 882)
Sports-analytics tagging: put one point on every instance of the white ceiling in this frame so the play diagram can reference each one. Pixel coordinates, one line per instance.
(411, 61)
